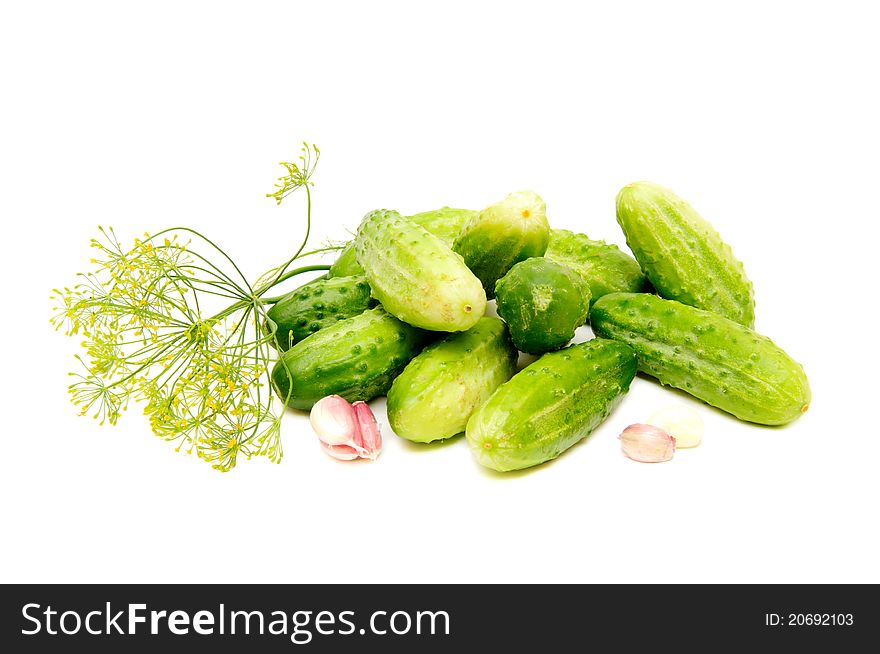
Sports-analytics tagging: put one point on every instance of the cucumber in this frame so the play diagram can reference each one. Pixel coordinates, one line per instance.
(550, 405)
(504, 234)
(543, 302)
(444, 223)
(715, 359)
(346, 264)
(316, 305)
(440, 389)
(604, 266)
(682, 255)
(415, 276)
(357, 358)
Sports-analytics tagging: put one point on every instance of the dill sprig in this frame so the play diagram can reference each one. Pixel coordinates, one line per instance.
(298, 174)
(172, 322)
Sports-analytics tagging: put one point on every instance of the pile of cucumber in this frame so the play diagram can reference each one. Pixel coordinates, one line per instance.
(402, 313)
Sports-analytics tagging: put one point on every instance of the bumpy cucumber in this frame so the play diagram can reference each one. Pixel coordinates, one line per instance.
(440, 389)
(550, 405)
(346, 264)
(415, 276)
(707, 355)
(316, 305)
(356, 358)
(543, 302)
(604, 266)
(445, 223)
(682, 255)
(503, 234)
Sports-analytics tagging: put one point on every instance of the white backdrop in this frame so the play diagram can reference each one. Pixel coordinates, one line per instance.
(763, 115)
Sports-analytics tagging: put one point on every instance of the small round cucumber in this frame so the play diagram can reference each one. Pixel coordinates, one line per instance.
(543, 302)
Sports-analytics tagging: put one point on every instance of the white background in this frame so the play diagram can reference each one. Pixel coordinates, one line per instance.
(763, 115)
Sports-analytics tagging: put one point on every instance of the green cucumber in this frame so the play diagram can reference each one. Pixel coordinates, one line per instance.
(682, 255)
(415, 276)
(715, 359)
(316, 305)
(604, 266)
(543, 302)
(346, 264)
(550, 405)
(444, 223)
(503, 234)
(438, 391)
(356, 358)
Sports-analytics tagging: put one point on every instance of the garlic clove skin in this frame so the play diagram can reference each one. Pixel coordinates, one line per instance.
(682, 423)
(647, 444)
(341, 452)
(334, 420)
(370, 437)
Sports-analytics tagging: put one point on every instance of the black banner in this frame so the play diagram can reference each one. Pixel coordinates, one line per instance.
(321, 618)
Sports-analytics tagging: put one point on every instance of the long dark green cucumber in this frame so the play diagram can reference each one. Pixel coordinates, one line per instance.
(713, 358)
(551, 405)
(356, 358)
(316, 305)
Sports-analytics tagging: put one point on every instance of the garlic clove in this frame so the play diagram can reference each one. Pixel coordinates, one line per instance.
(647, 443)
(682, 423)
(346, 432)
(333, 419)
(341, 452)
(369, 437)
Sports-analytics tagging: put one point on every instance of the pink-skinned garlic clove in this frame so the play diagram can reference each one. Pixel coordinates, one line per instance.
(647, 444)
(370, 437)
(334, 421)
(346, 432)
